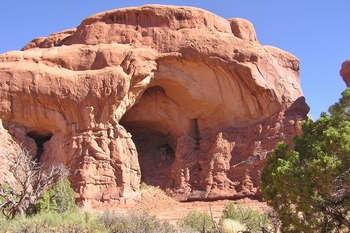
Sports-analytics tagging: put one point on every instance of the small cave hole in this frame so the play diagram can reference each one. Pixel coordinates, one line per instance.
(196, 133)
(40, 137)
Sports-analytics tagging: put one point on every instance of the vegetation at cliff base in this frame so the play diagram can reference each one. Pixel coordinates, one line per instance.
(197, 221)
(26, 183)
(60, 198)
(86, 222)
(234, 219)
(308, 186)
(252, 220)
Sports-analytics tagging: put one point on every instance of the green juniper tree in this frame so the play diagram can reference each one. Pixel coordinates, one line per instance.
(309, 187)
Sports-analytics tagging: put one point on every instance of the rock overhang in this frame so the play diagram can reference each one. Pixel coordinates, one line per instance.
(192, 80)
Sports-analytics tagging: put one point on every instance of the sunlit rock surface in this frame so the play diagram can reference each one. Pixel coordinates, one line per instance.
(176, 97)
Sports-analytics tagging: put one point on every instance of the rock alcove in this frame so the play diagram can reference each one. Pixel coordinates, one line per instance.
(150, 122)
(204, 101)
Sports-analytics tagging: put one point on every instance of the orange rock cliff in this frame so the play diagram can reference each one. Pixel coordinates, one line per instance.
(175, 97)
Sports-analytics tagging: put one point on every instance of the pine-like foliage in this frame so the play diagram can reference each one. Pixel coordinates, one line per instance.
(309, 187)
(60, 198)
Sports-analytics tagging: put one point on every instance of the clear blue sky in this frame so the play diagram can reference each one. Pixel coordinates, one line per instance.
(316, 31)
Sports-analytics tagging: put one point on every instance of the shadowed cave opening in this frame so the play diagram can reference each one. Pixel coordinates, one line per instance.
(155, 151)
(40, 137)
(153, 140)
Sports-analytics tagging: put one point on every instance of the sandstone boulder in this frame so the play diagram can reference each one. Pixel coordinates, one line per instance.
(243, 29)
(345, 72)
(176, 97)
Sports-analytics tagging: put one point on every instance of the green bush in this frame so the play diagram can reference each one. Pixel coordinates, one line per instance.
(136, 223)
(308, 185)
(197, 221)
(251, 219)
(143, 185)
(60, 198)
(55, 222)
(87, 222)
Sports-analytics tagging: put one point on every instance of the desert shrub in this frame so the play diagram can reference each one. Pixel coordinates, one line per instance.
(143, 185)
(55, 222)
(232, 226)
(26, 184)
(60, 198)
(136, 223)
(112, 221)
(197, 221)
(251, 219)
(4, 224)
(87, 222)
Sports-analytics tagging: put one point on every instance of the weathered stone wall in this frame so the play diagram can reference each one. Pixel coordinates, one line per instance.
(173, 96)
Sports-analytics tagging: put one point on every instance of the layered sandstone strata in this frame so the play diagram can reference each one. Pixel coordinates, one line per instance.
(176, 97)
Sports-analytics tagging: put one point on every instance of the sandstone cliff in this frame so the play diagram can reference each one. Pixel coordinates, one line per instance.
(176, 97)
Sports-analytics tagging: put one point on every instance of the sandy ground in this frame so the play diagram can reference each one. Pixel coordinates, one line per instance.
(157, 203)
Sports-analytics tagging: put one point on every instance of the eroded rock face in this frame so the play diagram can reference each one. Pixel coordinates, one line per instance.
(176, 97)
(345, 72)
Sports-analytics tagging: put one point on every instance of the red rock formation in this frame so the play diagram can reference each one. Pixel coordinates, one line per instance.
(202, 101)
(345, 72)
